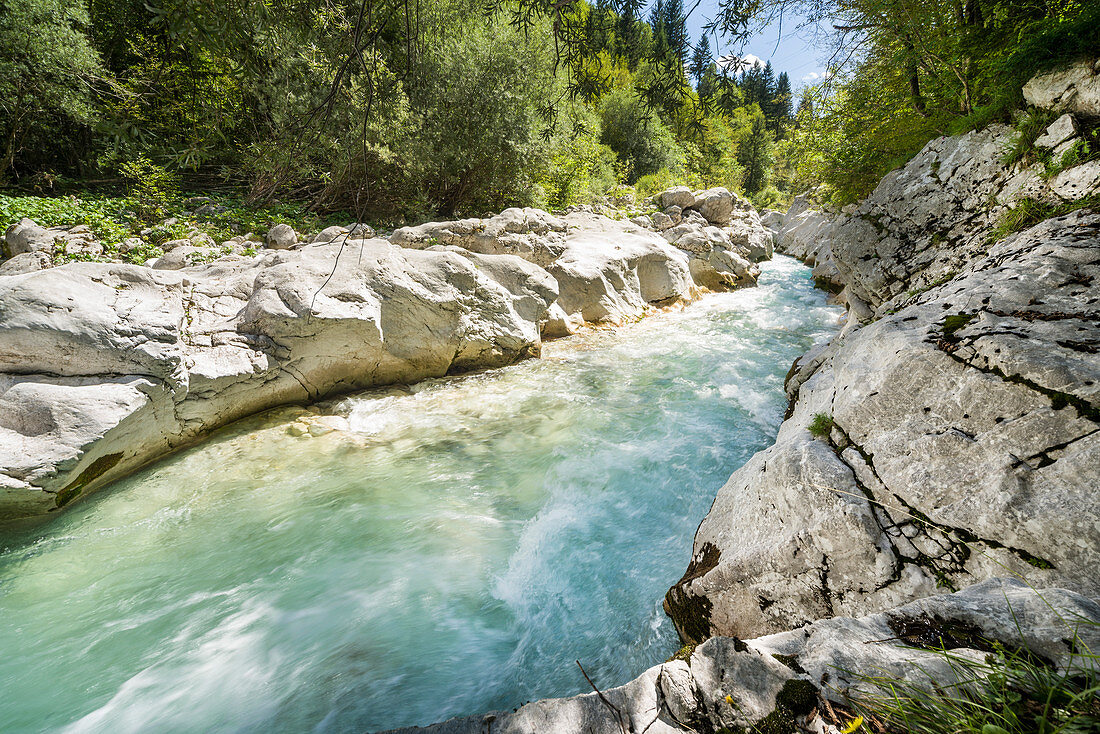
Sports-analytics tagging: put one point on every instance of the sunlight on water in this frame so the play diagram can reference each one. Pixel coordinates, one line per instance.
(454, 552)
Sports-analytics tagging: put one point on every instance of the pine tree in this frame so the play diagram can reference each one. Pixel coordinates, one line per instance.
(781, 105)
(767, 91)
(755, 154)
(700, 59)
(628, 39)
(675, 25)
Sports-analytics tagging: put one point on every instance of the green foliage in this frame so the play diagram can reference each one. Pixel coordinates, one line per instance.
(1010, 691)
(113, 219)
(821, 425)
(1029, 212)
(1029, 125)
(579, 169)
(924, 70)
(442, 107)
(756, 154)
(769, 197)
(637, 135)
(107, 218)
(47, 72)
(655, 183)
(150, 187)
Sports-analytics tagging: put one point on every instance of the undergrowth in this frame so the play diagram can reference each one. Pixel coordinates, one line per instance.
(157, 217)
(1009, 691)
(1029, 212)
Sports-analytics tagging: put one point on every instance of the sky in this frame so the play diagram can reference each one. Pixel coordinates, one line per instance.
(790, 51)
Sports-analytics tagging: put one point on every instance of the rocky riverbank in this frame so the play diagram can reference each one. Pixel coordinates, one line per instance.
(947, 438)
(105, 366)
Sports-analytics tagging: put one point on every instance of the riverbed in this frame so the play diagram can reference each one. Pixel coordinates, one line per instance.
(454, 552)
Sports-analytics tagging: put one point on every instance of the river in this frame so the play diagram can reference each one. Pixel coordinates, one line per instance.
(454, 553)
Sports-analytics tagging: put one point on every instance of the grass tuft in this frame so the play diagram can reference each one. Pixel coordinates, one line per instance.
(821, 425)
(1010, 691)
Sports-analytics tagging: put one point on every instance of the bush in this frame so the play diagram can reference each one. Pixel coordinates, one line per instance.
(655, 183)
(642, 142)
(821, 425)
(150, 187)
(578, 168)
(1029, 125)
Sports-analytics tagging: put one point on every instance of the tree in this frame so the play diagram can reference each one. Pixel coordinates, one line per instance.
(675, 27)
(629, 127)
(48, 70)
(755, 155)
(781, 105)
(701, 59)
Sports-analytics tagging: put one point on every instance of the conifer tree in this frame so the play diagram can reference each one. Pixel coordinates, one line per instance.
(755, 155)
(700, 59)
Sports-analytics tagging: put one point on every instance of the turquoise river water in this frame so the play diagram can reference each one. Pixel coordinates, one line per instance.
(454, 553)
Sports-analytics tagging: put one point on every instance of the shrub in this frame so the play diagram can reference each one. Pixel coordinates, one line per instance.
(151, 187)
(638, 136)
(821, 425)
(1029, 125)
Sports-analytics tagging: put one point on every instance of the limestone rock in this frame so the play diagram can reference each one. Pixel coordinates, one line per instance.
(611, 271)
(359, 230)
(26, 262)
(130, 244)
(968, 447)
(680, 196)
(1074, 88)
(26, 236)
(529, 233)
(281, 237)
(1077, 182)
(106, 366)
(328, 234)
(772, 219)
(662, 221)
(1057, 132)
(716, 205)
(777, 683)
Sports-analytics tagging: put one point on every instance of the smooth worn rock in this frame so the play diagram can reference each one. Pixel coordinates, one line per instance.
(104, 367)
(281, 237)
(26, 236)
(529, 233)
(680, 196)
(716, 205)
(26, 262)
(328, 234)
(611, 271)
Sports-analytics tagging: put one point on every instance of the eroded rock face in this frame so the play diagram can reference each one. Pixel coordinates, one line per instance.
(965, 440)
(1075, 89)
(778, 682)
(611, 271)
(529, 233)
(106, 366)
(608, 270)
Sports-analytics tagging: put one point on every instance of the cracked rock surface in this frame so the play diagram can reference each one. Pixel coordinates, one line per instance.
(778, 682)
(956, 417)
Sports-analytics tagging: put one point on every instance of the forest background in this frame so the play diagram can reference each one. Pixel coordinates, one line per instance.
(111, 111)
